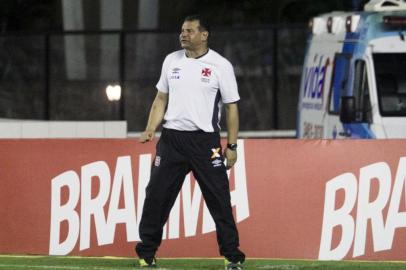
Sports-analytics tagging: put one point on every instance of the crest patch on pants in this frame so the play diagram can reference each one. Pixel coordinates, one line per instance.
(215, 153)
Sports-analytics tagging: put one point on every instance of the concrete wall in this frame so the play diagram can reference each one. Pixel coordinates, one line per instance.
(62, 129)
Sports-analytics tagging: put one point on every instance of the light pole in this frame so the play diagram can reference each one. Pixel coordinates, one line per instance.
(114, 95)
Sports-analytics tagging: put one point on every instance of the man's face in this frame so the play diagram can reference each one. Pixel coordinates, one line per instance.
(191, 37)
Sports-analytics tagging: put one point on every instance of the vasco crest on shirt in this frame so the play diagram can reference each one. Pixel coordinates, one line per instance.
(206, 74)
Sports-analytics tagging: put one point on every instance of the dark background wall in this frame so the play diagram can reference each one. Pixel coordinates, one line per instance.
(46, 15)
(264, 40)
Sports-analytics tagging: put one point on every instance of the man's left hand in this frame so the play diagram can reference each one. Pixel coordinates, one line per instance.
(231, 157)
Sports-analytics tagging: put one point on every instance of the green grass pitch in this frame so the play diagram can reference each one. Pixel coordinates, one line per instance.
(11, 262)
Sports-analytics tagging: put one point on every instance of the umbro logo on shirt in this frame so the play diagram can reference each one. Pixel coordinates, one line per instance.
(175, 74)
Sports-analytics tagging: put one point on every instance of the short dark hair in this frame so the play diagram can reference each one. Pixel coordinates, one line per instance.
(203, 22)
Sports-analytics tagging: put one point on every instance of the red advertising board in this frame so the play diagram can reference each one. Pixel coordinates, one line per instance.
(310, 199)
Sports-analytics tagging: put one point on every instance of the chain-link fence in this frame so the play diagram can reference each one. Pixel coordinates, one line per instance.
(64, 76)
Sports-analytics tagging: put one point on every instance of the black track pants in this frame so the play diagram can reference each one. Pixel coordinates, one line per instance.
(178, 153)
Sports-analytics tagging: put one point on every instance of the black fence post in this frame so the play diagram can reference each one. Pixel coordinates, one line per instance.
(275, 79)
(47, 94)
(122, 75)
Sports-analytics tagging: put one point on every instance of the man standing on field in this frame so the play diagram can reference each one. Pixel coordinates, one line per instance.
(195, 83)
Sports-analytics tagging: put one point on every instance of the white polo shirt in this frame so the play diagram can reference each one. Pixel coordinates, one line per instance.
(197, 90)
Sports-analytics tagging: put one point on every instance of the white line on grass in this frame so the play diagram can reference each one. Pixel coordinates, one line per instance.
(61, 267)
(39, 266)
(282, 267)
(58, 267)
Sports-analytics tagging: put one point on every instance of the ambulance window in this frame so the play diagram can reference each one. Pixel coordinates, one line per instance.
(390, 75)
(339, 81)
(361, 93)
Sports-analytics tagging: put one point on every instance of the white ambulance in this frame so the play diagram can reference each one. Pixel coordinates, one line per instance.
(354, 76)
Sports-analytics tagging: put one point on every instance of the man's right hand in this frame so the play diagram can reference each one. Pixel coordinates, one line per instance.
(147, 136)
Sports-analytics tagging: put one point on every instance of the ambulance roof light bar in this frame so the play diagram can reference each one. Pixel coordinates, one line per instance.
(351, 23)
(317, 25)
(331, 24)
(394, 21)
(385, 5)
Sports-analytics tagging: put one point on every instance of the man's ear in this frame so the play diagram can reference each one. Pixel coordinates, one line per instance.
(205, 35)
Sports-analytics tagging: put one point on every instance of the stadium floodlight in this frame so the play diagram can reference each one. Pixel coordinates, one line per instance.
(113, 92)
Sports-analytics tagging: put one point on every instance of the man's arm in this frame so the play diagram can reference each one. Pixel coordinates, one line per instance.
(156, 115)
(232, 121)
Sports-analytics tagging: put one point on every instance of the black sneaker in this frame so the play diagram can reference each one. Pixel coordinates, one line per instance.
(147, 263)
(232, 266)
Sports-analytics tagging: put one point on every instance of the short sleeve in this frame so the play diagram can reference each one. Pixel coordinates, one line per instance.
(162, 84)
(228, 83)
